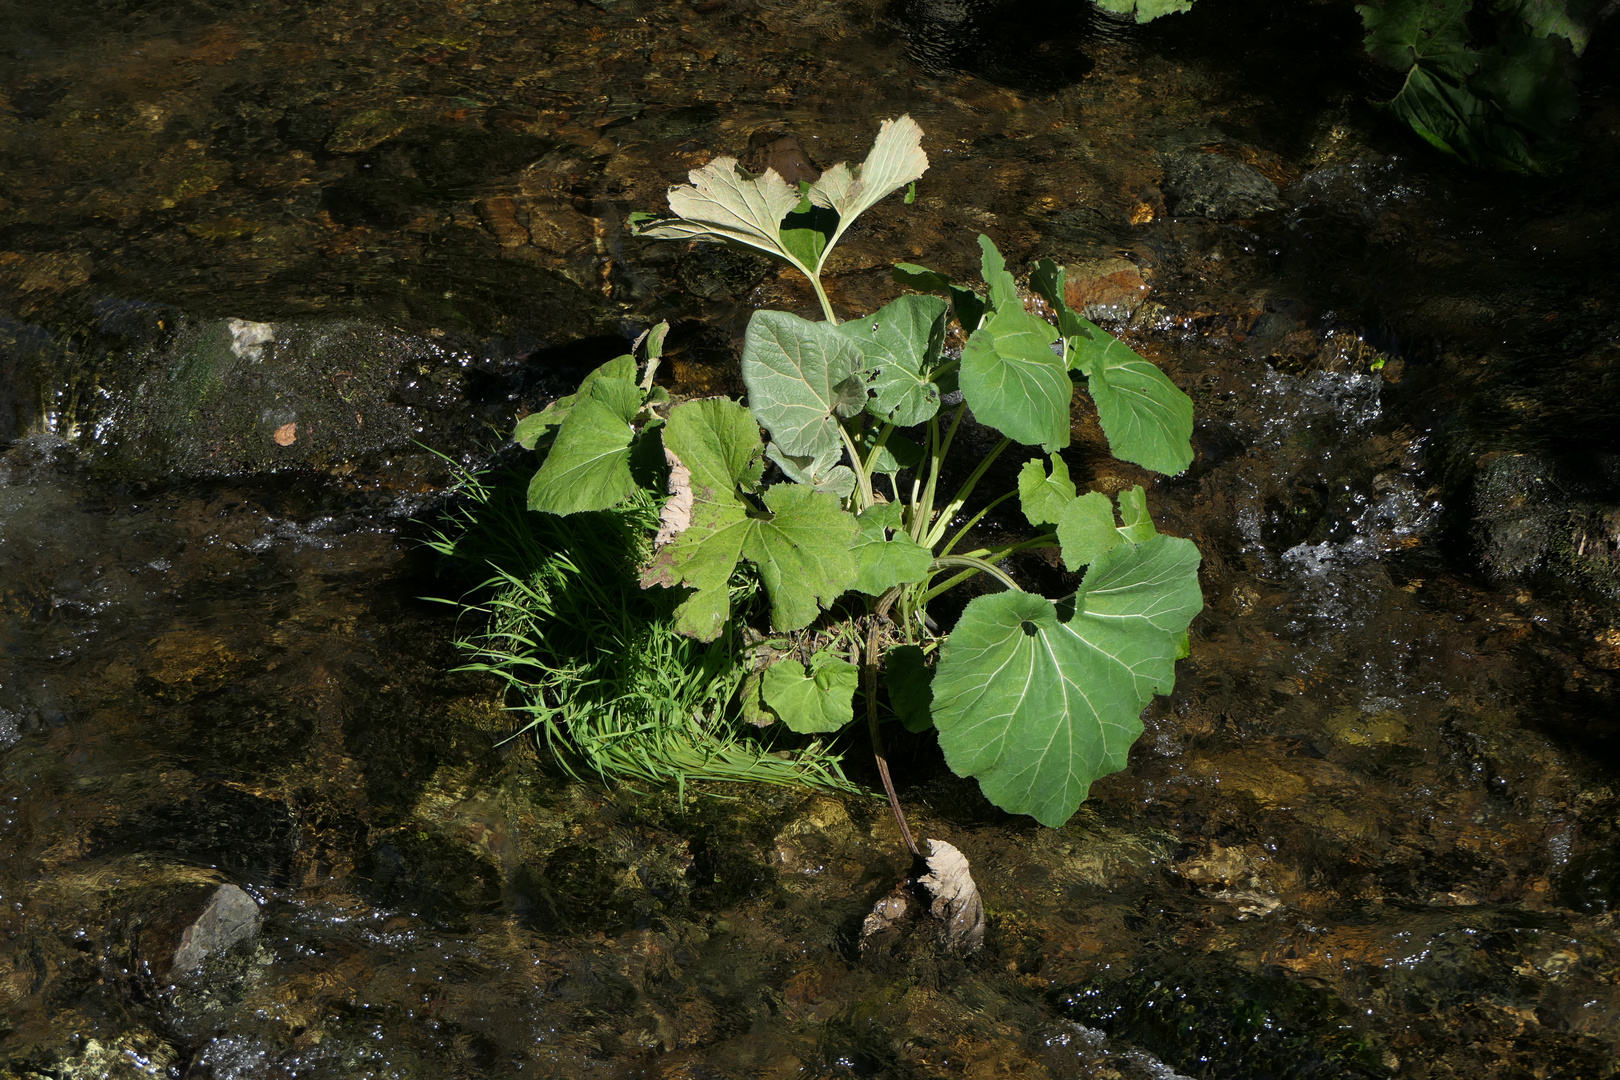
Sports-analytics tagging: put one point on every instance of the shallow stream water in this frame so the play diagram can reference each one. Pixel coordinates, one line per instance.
(259, 261)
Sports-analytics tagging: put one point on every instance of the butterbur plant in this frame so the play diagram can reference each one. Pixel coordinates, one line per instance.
(853, 535)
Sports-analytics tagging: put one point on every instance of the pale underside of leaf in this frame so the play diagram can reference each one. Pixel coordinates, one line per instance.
(721, 203)
(823, 473)
(801, 377)
(895, 160)
(901, 344)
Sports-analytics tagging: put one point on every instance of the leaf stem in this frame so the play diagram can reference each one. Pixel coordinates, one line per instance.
(921, 521)
(974, 520)
(1044, 540)
(978, 565)
(879, 616)
(821, 294)
(861, 475)
(962, 493)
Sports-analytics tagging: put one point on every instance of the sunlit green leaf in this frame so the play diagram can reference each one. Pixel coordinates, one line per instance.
(901, 343)
(1086, 531)
(531, 427)
(1037, 702)
(1147, 419)
(803, 552)
(718, 441)
(993, 268)
(588, 467)
(801, 377)
(1014, 382)
(814, 702)
(1133, 512)
(882, 563)
(1043, 497)
(1145, 10)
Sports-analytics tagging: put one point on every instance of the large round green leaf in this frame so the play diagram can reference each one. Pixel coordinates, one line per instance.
(1037, 701)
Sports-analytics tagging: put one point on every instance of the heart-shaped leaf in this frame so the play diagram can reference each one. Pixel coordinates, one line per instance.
(1037, 703)
(801, 377)
(1014, 382)
(901, 344)
(812, 703)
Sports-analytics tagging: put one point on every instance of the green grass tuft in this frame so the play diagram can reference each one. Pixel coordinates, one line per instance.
(592, 661)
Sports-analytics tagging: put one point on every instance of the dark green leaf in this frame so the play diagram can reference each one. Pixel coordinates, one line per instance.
(1046, 279)
(910, 682)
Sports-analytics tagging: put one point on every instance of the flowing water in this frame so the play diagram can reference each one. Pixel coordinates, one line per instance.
(259, 259)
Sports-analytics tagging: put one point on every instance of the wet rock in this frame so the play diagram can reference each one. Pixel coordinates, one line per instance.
(207, 926)
(1105, 290)
(234, 395)
(1216, 186)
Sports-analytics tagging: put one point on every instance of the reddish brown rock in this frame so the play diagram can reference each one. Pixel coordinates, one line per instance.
(1105, 290)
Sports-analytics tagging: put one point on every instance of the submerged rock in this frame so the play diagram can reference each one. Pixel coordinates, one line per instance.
(227, 917)
(1216, 186)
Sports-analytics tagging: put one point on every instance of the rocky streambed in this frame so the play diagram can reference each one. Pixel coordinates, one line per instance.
(261, 263)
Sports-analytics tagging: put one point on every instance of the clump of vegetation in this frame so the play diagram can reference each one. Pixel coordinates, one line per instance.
(839, 515)
(594, 664)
